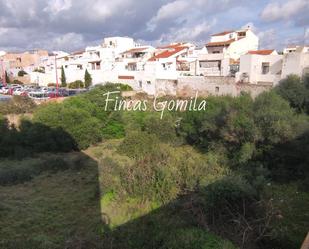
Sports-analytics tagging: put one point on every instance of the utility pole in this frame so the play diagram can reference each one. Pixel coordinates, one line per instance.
(57, 81)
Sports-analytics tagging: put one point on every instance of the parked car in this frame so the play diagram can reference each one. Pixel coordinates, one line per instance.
(18, 91)
(38, 95)
(4, 90)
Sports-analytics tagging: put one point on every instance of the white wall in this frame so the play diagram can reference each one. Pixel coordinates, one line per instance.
(242, 46)
(252, 65)
(295, 63)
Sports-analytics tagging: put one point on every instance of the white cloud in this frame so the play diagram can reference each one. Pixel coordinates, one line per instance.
(56, 6)
(189, 33)
(171, 10)
(268, 39)
(278, 11)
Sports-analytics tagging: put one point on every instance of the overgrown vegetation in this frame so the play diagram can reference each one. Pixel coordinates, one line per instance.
(238, 170)
(17, 105)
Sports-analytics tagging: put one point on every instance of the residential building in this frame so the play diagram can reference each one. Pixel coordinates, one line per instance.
(224, 51)
(26, 61)
(295, 48)
(260, 67)
(296, 62)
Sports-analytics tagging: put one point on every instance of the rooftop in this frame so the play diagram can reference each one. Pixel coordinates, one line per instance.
(218, 44)
(223, 33)
(262, 52)
(136, 50)
(168, 53)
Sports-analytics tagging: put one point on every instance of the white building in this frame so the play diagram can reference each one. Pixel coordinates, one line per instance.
(224, 51)
(99, 61)
(295, 48)
(296, 62)
(260, 67)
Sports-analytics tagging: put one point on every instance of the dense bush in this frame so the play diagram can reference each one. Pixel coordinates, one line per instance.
(296, 91)
(32, 138)
(234, 210)
(76, 84)
(151, 170)
(83, 128)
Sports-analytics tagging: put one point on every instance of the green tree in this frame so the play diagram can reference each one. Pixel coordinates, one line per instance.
(87, 79)
(63, 78)
(275, 119)
(293, 90)
(7, 78)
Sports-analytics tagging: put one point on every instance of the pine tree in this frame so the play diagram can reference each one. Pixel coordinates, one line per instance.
(7, 78)
(87, 79)
(63, 78)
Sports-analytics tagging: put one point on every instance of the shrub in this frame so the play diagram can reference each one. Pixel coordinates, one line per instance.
(164, 129)
(39, 70)
(18, 105)
(234, 210)
(228, 195)
(152, 170)
(83, 128)
(22, 73)
(294, 90)
(274, 118)
(76, 84)
(18, 82)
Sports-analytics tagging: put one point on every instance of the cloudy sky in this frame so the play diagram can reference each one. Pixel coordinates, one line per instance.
(73, 24)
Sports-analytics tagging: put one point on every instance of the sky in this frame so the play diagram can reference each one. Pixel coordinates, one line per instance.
(71, 25)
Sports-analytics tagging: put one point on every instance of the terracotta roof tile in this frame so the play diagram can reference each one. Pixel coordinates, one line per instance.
(126, 77)
(175, 45)
(167, 53)
(261, 52)
(135, 50)
(224, 33)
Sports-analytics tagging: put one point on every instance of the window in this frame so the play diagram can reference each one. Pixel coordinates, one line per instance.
(217, 89)
(98, 65)
(140, 84)
(265, 67)
(242, 34)
(80, 67)
(148, 82)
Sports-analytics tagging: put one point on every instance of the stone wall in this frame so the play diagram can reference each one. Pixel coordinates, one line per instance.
(188, 86)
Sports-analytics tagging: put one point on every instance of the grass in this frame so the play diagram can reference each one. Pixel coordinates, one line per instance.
(292, 223)
(52, 210)
(60, 208)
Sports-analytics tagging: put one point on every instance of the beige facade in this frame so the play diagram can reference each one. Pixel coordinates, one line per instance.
(27, 61)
